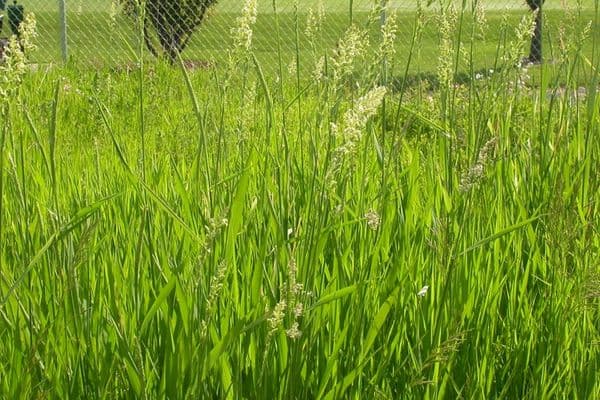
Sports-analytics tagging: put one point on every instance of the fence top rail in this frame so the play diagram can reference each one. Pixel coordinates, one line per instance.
(266, 6)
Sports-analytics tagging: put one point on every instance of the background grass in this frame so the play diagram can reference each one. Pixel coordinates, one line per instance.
(94, 40)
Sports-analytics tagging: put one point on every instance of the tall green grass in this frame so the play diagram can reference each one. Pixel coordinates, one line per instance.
(239, 233)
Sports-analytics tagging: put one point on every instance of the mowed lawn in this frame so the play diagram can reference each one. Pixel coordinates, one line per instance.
(96, 39)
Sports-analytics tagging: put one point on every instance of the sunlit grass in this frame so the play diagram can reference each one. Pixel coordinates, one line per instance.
(272, 235)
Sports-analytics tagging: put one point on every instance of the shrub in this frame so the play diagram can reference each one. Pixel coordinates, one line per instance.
(168, 24)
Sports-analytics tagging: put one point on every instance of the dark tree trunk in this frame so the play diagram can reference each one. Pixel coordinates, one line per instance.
(535, 51)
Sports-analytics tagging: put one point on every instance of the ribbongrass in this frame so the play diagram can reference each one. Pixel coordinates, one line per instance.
(185, 278)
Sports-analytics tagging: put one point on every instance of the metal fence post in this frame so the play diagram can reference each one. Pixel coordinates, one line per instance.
(62, 15)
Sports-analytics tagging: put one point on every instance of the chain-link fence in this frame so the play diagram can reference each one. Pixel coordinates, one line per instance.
(108, 32)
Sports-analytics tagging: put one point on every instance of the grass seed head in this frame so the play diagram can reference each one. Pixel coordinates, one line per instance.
(216, 286)
(389, 32)
(522, 34)
(354, 123)
(349, 49)
(114, 12)
(294, 332)
(373, 220)
(445, 69)
(275, 320)
(474, 175)
(243, 31)
(319, 71)
(480, 19)
(14, 64)
(314, 22)
(356, 118)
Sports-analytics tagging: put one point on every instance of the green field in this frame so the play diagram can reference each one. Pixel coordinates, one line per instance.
(423, 226)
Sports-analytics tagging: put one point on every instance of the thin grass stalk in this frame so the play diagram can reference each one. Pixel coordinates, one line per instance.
(298, 87)
(52, 148)
(202, 145)
(457, 54)
(350, 13)
(3, 134)
(279, 58)
(415, 36)
(141, 116)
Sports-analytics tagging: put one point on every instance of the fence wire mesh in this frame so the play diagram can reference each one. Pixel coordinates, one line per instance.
(111, 32)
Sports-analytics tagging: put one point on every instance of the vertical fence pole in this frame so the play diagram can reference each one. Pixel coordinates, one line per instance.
(62, 15)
